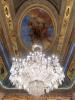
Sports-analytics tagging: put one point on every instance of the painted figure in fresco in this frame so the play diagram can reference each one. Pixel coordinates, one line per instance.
(41, 31)
(36, 30)
(37, 27)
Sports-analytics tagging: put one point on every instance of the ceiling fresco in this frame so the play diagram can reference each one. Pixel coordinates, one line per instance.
(37, 27)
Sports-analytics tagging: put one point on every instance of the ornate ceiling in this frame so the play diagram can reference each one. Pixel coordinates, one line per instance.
(56, 3)
(58, 15)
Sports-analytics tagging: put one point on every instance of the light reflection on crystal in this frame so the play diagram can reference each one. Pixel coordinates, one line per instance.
(36, 73)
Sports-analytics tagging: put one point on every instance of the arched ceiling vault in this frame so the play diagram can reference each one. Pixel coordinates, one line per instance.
(22, 11)
(64, 25)
(65, 21)
(55, 3)
(64, 14)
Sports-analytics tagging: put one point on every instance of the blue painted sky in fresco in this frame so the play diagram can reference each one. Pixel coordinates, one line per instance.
(25, 30)
(50, 31)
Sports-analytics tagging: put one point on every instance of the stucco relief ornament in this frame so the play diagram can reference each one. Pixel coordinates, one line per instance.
(36, 73)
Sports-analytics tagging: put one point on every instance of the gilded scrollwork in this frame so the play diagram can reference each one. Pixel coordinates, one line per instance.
(6, 10)
(3, 70)
(71, 70)
(67, 14)
(9, 21)
(67, 11)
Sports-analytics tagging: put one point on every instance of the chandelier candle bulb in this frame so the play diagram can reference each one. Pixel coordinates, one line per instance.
(36, 72)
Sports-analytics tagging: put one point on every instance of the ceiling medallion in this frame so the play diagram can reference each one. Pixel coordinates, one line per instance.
(36, 73)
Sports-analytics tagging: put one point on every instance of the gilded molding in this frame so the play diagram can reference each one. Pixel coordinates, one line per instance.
(71, 70)
(66, 18)
(4, 74)
(28, 5)
(9, 21)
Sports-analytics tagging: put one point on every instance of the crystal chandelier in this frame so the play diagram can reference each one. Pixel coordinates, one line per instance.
(36, 73)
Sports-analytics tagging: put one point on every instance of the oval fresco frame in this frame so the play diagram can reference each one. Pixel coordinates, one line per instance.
(45, 6)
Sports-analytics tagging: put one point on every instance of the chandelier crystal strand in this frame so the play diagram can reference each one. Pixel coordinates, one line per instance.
(36, 73)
